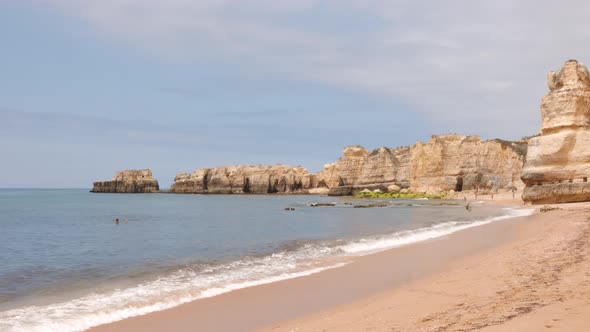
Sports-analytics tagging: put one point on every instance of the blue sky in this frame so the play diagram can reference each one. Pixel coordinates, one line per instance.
(91, 87)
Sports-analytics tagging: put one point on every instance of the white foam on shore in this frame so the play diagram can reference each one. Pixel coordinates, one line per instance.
(371, 245)
(166, 292)
(187, 285)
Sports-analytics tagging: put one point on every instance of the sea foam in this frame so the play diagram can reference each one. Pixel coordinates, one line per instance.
(189, 284)
(375, 244)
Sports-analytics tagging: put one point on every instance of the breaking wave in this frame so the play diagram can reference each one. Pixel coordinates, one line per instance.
(201, 281)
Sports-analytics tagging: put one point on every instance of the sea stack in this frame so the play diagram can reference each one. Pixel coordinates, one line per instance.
(557, 165)
(128, 181)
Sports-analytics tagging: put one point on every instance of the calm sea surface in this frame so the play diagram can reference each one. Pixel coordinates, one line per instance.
(65, 265)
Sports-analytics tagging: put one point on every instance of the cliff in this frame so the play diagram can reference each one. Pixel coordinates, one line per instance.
(360, 169)
(129, 181)
(558, 160)
(244, 179)
(458, 162)
(446, 162)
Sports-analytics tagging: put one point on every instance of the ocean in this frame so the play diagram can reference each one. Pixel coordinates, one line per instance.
(66, 265)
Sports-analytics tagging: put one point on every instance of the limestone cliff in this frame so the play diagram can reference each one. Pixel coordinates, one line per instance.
(129, 181)
(360, 169)
(558, 160)
(458, 162)
(244, 179)
(446, 162)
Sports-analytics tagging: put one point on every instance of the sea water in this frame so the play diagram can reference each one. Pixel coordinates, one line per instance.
(66, 265)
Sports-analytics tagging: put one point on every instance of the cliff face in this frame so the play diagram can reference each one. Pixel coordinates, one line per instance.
(446, 162)
(558, 161)
(195, 183)
(457, 162)
(244, 179)
(129, 181)
(360, 169)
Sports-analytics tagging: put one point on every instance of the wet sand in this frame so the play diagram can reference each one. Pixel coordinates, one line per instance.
(516, 274)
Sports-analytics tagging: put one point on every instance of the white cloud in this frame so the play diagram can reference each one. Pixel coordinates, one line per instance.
(468, 64)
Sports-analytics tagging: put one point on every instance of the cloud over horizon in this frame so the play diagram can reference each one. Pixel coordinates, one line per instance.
(465, 63)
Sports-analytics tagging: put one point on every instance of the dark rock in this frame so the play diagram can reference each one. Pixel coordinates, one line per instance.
(322, 204)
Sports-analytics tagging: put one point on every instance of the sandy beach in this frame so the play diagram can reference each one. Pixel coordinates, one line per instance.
(520, 274)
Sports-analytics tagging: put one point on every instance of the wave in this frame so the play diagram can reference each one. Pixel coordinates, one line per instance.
(192, 282)
(181, 286)
(398, 239)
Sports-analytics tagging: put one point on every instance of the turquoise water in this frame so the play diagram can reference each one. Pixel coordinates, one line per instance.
(65, 265)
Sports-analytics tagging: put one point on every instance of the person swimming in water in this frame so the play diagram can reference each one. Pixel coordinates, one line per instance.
(117, 221)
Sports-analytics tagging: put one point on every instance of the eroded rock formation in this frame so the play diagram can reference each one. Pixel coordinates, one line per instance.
(360, 169)
(558, 161)
(244, 179)
(446, 162)
(458, 162)
(128, 181)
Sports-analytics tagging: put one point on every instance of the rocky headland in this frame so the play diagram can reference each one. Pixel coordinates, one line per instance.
(244, 179)
(457, 162)
(558, 161)
(445, 163)
(128, 181)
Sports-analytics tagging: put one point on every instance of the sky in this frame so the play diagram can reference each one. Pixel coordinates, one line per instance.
(91, 87)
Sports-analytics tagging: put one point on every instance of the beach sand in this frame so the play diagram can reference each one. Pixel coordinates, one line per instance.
(522, 274)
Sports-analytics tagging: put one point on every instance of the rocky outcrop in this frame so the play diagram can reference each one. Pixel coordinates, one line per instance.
(446, 162)
(360, 169)
(195, 183)
(558, 161)
(129, 181)
(458, 162)
(244, 179)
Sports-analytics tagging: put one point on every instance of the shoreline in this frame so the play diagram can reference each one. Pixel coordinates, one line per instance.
(271, 303)
(538, 280)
